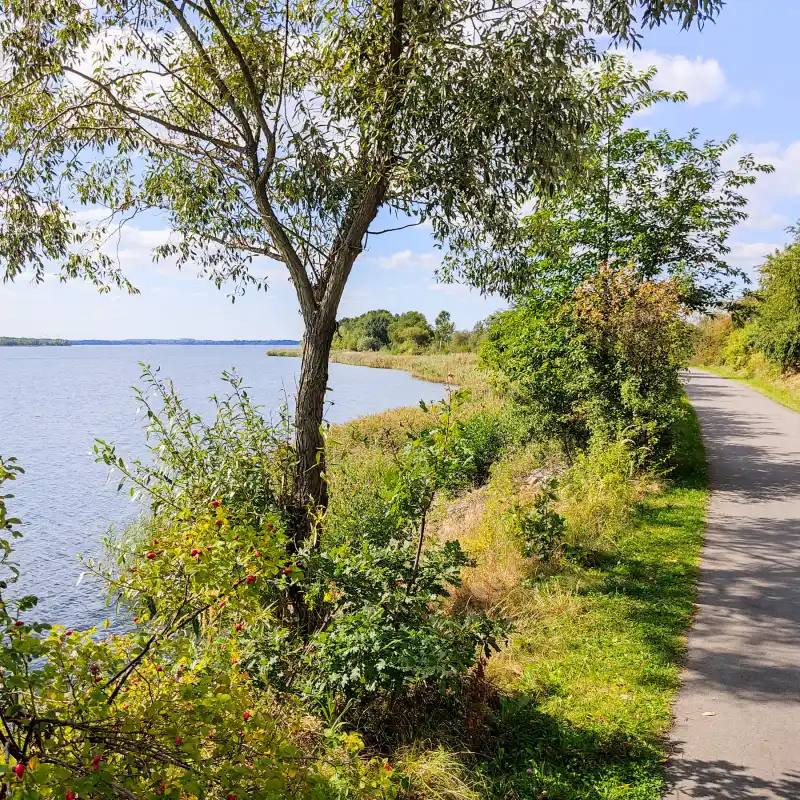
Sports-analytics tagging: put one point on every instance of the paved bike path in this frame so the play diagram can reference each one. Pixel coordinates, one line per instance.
(737, 717)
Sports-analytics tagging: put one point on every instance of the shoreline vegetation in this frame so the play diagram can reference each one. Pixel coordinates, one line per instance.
(15, 341)
(583, 688)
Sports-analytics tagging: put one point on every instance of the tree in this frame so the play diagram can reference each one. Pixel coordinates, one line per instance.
(443, 328)
(777, 323)
(280, 129)
(663, 204)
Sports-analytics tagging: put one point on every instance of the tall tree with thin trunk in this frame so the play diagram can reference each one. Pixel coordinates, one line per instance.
(280, 129)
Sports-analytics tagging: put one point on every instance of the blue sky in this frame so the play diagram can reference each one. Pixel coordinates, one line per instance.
(741, 78)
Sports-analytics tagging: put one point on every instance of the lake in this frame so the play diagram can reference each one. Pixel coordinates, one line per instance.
(55, 400)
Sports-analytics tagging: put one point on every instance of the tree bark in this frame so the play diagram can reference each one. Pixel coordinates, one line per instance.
(310, 486)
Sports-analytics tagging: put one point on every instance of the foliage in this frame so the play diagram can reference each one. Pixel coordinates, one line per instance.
(659, 203)
(345, 617)
(540, 528)
(636, 343)
(710, 336)
(163, 710)
(407, 333)
(443, 329)
(270, 149)
(11, 341)
(536, 352)
(240, 460)
(778, 321)
(605, 363)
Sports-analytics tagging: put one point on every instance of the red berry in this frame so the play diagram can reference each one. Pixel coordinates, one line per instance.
(287, 571)
(68, 633)
(136, 619)
(97, 679)
(196, 553)
(19, 770)
(239, 627)
(178, 740)
(215, 503)
(246, 715)
(231, 797)
(250, 579)
(151, 554)
(125, 706)
(70, 796)
(387, 767)
(218, 522)
(94, 668)
(159, 668)
(19, 623)
(256, 554)
(222, 603)
(155, 541)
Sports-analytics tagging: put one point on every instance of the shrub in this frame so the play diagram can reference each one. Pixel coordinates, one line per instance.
(357, 612)
(160, 711)
(778, 326)
(604, 364)
(710, 336)
(536, 354)
(366, 343)
(540, 528)
(739, 348)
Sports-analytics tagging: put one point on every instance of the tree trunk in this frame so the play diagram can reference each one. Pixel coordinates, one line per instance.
(310, 494)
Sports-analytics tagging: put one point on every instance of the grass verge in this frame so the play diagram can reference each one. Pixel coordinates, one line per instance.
(782, 389)
(585, 685)
(590, 674)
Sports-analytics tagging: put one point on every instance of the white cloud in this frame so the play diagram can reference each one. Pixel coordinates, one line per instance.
(703, 79)
(750, 255)
(770, 198)
(405, 259)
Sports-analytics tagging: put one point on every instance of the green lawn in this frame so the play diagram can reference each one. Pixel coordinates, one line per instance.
(594, 700)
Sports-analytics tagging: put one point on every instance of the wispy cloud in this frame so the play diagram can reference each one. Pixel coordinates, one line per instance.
(703, 79)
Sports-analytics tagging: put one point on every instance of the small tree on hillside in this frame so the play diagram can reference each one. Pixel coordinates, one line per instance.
(280, 128)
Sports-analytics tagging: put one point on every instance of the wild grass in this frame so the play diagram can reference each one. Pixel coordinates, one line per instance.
(459, 369)
(589, 675)
(287, 352)
(580, 696)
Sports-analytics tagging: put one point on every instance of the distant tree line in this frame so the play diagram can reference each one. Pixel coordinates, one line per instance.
(14, 341)
(409, 332)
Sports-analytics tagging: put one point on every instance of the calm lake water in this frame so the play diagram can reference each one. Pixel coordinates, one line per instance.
(55, 400)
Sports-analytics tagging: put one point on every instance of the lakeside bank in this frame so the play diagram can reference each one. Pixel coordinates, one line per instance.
(578, 701)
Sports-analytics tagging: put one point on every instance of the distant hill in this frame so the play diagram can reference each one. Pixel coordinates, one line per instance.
(15, 341)
(283, 342)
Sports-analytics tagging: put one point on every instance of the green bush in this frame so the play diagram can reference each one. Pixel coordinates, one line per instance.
(604, 364)
(540, 528)
(778, 325)
(358, 612)
(709, 339)
(739, 348)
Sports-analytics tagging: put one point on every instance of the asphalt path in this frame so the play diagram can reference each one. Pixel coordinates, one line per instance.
(737, 717)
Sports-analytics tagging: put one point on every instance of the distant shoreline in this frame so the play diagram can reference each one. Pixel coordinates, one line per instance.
(190, 342)
(25, 342)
